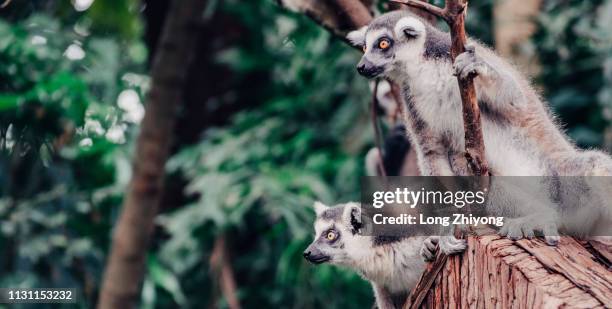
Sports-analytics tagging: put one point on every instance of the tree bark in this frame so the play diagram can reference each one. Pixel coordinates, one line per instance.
(223, 273)
(356, 12)
(125, 267)
(337, 16)
(499, 273)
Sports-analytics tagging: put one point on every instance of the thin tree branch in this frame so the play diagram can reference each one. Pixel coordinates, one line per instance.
(356, 12)
(426, 282)
(419, 4)
(222, 268)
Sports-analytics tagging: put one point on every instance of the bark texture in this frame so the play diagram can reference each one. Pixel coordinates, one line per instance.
(337, 16)
(499, 273)
(223, 273)
(125, 266)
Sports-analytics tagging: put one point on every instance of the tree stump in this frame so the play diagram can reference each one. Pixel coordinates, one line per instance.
(496, 272)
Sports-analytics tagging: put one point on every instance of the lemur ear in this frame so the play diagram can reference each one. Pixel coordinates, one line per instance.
(319, 207)
(409, 27)
(352, 216)
(357, 37)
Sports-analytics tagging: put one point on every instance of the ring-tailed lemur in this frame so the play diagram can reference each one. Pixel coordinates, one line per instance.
(391, 264)
(520, 134)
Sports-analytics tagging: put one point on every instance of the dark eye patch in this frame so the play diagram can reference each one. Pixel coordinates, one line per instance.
(333, 230)
(381, 40)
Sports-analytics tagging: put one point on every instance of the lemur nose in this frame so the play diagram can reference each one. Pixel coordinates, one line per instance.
(306, 254)
(361, 69)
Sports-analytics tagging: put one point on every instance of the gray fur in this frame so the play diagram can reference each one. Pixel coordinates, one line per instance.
(333, 213)
(388, 20)
(437, 44)
(382, 240)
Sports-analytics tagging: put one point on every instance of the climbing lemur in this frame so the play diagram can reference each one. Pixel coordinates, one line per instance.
(391, 264)
(520, 135)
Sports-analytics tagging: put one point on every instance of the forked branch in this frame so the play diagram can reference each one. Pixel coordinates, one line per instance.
(419, 4)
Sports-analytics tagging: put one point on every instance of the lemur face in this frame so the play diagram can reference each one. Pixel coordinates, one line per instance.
(336, 233)
(387, 41)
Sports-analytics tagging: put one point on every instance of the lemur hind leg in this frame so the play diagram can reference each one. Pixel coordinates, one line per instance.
(586, 163)
(528, 226)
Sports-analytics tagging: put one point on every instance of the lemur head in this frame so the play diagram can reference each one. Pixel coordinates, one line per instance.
(337, 238)
(397, 38)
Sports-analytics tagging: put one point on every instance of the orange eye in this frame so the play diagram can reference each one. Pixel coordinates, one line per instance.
(330, 235)
(384, 44)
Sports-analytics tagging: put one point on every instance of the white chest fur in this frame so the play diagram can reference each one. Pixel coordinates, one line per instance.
(396, 266)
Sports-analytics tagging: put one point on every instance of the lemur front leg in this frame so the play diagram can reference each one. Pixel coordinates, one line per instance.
(448, 245)
(432, 156)
(469, 64)
(492, 81)
(384, 299)
(526, 213)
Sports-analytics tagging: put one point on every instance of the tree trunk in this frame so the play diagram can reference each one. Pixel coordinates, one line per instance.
(125, 266)
(499, 273)
(514, 26)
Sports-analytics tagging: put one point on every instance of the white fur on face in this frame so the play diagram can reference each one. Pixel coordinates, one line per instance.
(357, 37)
(319, 207)
(409, 50)
(320, 226)
(408, 23)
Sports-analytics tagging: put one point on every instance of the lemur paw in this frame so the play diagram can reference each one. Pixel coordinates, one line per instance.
(527, 227)
(428, 249)
(451, 245)
(469, 64)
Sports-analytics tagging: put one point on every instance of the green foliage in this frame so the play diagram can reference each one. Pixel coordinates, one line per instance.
(41, 96)
(254, 180)
(574, 45)
(59, 150)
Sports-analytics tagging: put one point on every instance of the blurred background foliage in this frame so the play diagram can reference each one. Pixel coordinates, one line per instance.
(574, 46)
(274, 118)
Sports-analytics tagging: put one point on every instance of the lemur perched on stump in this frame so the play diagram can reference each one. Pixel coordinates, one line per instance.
(520, 134)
